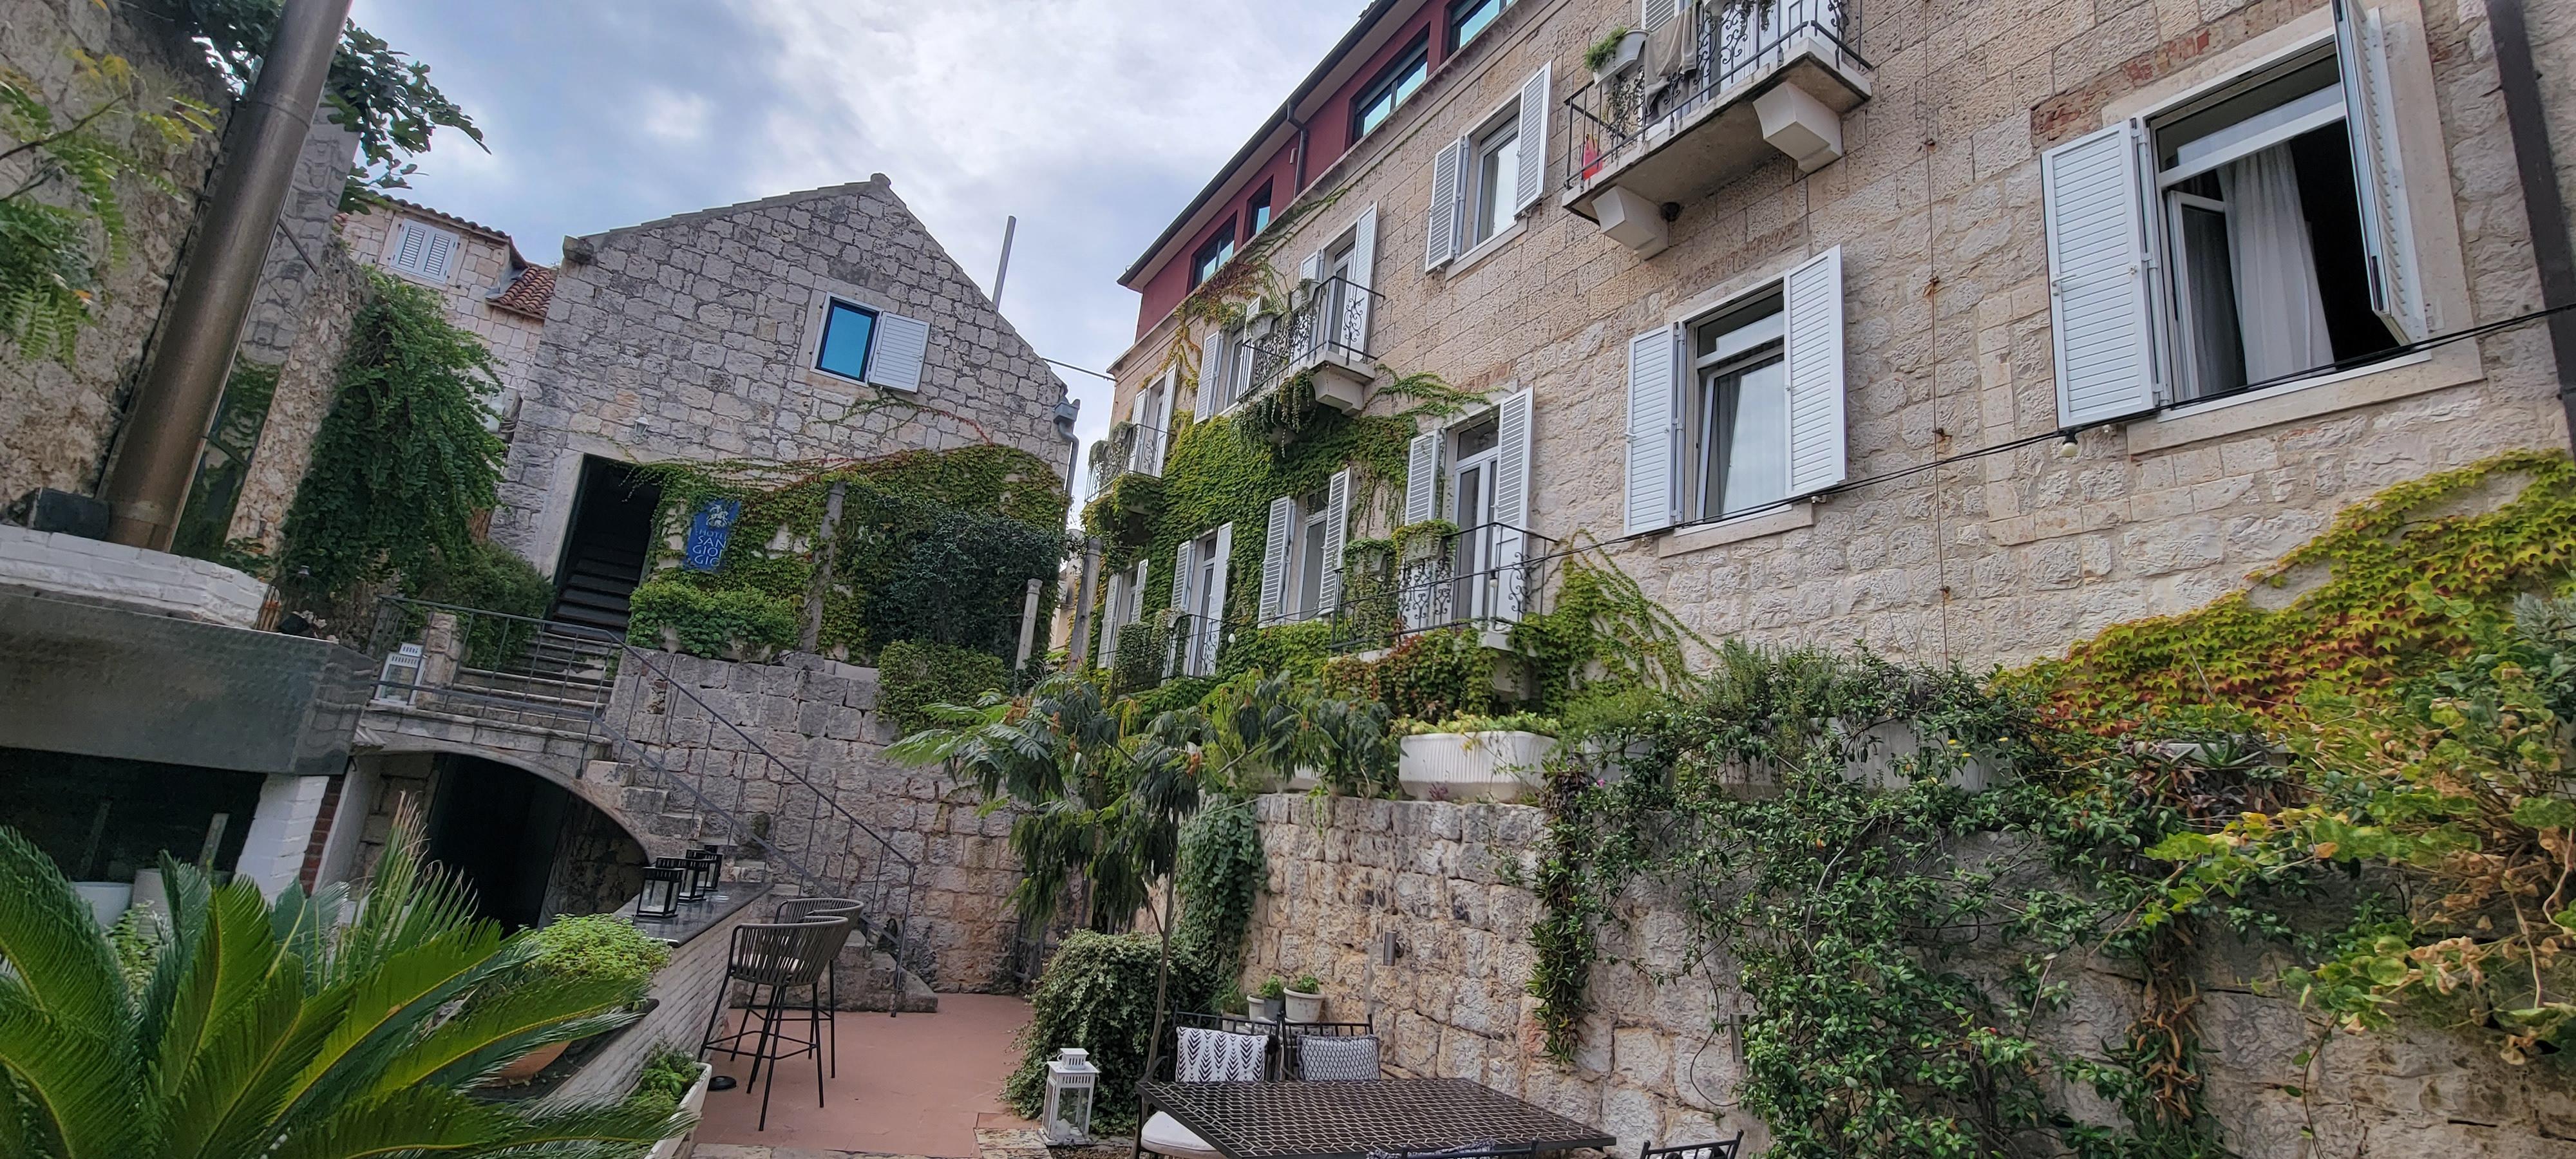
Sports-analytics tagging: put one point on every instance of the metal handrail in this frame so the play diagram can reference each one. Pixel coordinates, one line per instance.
(1332, 317)
(1608, 115)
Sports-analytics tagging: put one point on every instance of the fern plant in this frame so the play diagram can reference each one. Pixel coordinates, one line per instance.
(61, 225)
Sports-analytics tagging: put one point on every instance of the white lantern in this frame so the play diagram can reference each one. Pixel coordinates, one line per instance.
(1070, 1079)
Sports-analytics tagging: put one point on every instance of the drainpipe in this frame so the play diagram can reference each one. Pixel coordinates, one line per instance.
(2528, 121)
(1297, 174)
(176, 401)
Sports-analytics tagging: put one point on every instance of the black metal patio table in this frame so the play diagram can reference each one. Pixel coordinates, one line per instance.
(1347, 1120)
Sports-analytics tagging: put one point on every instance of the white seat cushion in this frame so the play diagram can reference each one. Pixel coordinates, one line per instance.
(1164, 1135)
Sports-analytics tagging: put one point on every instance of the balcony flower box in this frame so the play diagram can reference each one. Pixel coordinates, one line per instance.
(691, 1104)
(1468, 766)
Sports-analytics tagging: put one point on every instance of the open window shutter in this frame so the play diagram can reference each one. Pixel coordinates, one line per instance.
(1337, 519)
(1812, 354)
(2370, 122)
(1311, 271)
(1159, 409)
(1654, 423)
(1109, 608)
(1355, 320)
(438, 255)
(894, 362)
(1215, 611)
(1211, 373)
(1274, 560)
(408, 240)
(1183, 566)
(1651, 14)
(1533, 135)
(1440, 237)
(1422, 478)
(2098, 267)
(1511, 503)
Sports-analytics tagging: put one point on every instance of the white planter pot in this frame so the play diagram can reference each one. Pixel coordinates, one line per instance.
(679, 1146)
(1305, 1007)
(1263, 1009)
(107, 899)
(1631, 47)
(1469, 766)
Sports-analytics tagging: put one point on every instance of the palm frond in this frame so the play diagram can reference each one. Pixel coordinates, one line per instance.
(413, 1120)
(75, 1081)
(518, 1017)
(51, 943)
(387, 1009)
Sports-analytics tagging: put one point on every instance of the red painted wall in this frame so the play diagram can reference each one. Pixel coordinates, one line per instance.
(1327, 138)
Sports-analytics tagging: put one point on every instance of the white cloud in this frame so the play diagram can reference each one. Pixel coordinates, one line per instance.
(672, 116)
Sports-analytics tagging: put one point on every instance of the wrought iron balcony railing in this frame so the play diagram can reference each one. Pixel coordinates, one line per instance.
(1327, 326)
(1612, 120)
(1120, 451)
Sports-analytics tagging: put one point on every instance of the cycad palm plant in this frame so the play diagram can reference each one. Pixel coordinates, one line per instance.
(279, 1031)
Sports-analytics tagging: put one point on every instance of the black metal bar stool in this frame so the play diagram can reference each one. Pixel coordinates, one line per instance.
(798, 909)
(781, 957)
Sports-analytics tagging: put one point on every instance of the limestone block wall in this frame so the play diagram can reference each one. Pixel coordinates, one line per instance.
(1658, 1062)
(57, 421)
(693, 339)
(307, 381)
(482, 266)
(818, 718)
(1948, 347)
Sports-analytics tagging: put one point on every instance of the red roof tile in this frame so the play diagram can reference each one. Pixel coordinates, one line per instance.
(529, 293)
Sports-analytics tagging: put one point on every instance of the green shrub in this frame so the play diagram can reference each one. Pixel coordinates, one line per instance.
(485, 576)
(914, 675)
(1222, 869)
(599, 948)
(721, 624)
(1098, 994)
(1431, 676)
(666, 1080)
(1299, 649)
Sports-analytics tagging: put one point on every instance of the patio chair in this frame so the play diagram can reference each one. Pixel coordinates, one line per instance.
(1205, 1052)
(799, 909)
(781, 957)
(1328, 1051)
(1725, 1150)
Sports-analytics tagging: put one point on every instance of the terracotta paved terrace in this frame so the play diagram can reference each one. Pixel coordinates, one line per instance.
(918, 1085)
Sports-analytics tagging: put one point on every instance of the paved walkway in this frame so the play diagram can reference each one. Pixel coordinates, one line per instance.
(1013, 1141)
(917, 1085)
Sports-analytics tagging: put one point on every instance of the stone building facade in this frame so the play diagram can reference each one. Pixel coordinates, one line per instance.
(697, 338)
(1898, 175)
(1656, 1061)
(490, 290)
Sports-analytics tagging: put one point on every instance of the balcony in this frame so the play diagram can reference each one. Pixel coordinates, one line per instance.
(1126, 492)
(1762, 79)
(1324, 331)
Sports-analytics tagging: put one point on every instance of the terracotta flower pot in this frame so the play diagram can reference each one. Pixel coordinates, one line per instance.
(527, 1065)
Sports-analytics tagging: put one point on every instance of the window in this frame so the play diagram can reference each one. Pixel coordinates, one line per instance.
(1475, 474)
(1120, 606)
(1152, 415)
(420, 250)
(2264, 232)
(848, 332)
(1469, 17)
(1736, 414)
(1307, 597)
(1401, 78)
(1212, 256)
(1301, 564)
(1495, 194)
(1257, 211)
(1198, 595)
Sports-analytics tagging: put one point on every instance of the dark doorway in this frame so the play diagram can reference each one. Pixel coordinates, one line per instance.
(529, 849)
(607, 546)
(102, 818)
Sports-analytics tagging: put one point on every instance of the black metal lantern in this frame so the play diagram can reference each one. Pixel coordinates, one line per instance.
(660, 900)
(702, 874)
(713, 857)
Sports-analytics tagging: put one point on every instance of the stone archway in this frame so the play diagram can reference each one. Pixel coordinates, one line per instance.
(536, 833)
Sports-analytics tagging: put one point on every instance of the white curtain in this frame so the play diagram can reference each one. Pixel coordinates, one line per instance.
(2282, 313)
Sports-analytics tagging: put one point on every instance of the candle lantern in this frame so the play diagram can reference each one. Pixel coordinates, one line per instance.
(660, 900)
(1070, 1081)
(715, 868)
(702, 872)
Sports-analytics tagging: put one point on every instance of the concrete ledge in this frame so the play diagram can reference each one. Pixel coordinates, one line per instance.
(52, 562)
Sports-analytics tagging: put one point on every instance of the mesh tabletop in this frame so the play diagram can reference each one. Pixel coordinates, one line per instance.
(1298, 1120)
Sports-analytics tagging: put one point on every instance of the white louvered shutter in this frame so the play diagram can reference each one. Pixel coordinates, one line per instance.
(409, 240)
(438, 256)
(1311, 271)
(1533, 138)
(1812, 362)
(1654, 426)
(1211, 373)
(1651, 14)
(1110, 606)
(2099, 269)
(1440, 235)
(1183, 566)
(1212, 617)
(1511, 503)
(2370, 124)
(1422, 478)
(1159, 411)
(1355, 317)
(1337, 519)
(1274, 560)
(894, 362)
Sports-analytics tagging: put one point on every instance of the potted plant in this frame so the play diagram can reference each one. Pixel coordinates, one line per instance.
(1305, 1000)
(597, 949)
(1616, 52)
(672, 1081)
(1265, 1001)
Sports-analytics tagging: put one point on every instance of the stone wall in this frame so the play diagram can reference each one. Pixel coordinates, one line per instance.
(56, 421)
(486, 260)
(307, 382)
(693, 339)
(818, 718)
(1937, 210)
(1656, 1060)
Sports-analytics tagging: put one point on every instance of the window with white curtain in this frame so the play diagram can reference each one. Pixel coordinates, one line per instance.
(2263, 231)
(1735, 456)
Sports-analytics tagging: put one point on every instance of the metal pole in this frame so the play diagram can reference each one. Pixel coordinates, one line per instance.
(1079, 652)
(2542, 205)
(1010, 226)
(176, 401)
(1028, 626)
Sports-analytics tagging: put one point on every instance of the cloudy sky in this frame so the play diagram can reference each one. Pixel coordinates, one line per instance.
(1093, 120)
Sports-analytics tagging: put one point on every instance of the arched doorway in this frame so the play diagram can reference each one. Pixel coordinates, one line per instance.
(530, 848)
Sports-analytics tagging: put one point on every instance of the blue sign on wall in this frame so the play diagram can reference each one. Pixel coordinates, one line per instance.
(709, 529)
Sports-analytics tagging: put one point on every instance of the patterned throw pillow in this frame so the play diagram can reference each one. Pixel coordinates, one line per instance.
(1326, 1058)
(1214, 1056)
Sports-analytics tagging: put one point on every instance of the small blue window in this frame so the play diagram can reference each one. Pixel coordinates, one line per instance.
(847, 330)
